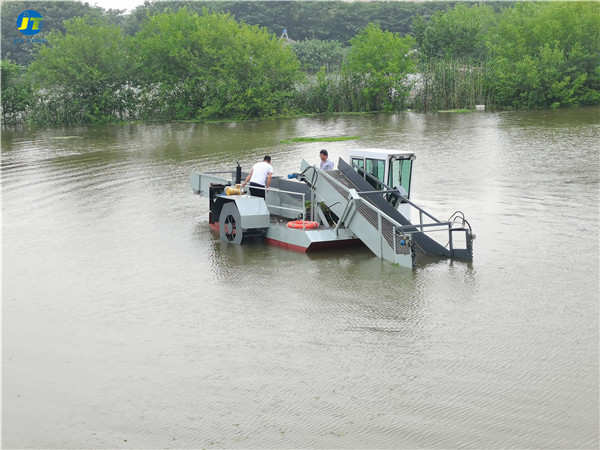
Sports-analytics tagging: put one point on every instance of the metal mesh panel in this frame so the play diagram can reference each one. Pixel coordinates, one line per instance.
(402, 249)
(387, 227)
(339, 176)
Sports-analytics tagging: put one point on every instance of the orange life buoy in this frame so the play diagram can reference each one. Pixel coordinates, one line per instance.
(299, 224)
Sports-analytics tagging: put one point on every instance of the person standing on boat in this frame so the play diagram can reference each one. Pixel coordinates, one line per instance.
(260, 176)
(326, 163)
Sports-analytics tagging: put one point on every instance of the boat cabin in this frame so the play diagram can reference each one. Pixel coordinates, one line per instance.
(384, 169)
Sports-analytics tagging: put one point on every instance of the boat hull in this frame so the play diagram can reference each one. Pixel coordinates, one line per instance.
(304, 240)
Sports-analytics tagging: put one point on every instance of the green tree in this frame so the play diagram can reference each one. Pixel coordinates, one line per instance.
(82, 74)
(459, 33)
(212, 67)
(378, 62)
(547, 54)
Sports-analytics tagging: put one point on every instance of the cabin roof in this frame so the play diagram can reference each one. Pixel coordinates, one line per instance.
(380, 152)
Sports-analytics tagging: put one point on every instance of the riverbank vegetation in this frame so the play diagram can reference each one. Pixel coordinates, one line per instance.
(169, 61)
(319, 139)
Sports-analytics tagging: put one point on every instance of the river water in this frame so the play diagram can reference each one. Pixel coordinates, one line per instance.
(128, 324)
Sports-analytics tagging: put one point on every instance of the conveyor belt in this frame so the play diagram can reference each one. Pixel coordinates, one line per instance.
(387, 227)
(334, 186)
(425, 243)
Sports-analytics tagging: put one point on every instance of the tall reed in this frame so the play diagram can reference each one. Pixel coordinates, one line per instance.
(449, 84)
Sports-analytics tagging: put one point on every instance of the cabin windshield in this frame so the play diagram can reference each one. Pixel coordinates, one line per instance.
(375, 167)
(360, 162)
(399, 175)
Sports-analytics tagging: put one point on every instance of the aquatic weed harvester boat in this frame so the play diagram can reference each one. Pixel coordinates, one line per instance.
(366, 201)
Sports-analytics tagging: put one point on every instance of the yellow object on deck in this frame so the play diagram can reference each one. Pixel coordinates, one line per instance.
(234, 190)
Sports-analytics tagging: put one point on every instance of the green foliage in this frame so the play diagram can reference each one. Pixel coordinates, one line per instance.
(373, 76)
(532, 54)
(82, 75)
(460, 33)
(449, 84)
(546, 55)
(321, 93)
(16, 92)
(315, 54)
(452, 48)
(187, 60)
(212, 67)
(307, 20)
(378, 61)
(54, 14)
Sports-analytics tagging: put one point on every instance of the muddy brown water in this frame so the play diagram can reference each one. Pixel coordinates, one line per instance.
(127, 323)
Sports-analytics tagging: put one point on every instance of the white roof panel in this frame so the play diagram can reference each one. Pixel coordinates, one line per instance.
(381, 153)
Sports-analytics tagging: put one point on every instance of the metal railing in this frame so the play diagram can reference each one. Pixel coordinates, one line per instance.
(302, 196)
(403, 230)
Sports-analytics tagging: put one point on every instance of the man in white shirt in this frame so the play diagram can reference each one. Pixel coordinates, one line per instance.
(260, 176)
(326, 163)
